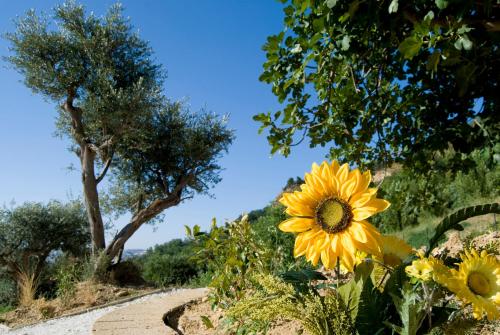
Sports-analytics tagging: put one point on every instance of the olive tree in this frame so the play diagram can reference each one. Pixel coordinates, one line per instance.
(108, 91)
(31, 231)
(173, 160)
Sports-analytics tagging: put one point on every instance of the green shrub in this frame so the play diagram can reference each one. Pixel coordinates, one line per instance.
(166, 270)
(232, 255)
(8, 293)
(417, 196)
(169, 263)
(66, 278)
(279, 245)
(126, 273)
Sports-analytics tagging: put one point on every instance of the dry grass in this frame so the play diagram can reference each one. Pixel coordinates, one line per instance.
(27, 282)
(87, 294)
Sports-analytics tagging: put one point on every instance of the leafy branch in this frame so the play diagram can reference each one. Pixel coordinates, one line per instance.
(453, 220)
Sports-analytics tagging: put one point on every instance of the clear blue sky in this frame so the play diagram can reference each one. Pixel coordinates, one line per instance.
(212, 52)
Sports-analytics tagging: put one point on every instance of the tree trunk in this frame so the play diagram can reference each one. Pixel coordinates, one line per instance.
(137, 221)
(87, 158)
(91, 195)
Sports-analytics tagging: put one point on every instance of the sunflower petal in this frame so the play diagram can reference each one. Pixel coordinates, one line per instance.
(300, 247)
(343, 173)
(335, 166)
(325, 258)
(358, 232)
(361, 198)
(371, 207)
(364, 182)
(296, 225)
(348, 261)
(347, 188)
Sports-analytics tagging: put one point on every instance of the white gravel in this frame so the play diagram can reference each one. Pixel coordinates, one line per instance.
(75, 325)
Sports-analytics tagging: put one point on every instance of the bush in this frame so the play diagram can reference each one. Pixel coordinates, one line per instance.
(169, 263)
(164, 270)
(280, 246)
(67, 276)
(126, 273)
(417, 196)
(231, 254)
(8, 292)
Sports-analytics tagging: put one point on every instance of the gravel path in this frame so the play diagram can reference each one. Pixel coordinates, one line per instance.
(79, 324)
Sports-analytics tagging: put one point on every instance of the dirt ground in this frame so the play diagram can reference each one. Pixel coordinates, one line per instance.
(191, 323)
(87, 295)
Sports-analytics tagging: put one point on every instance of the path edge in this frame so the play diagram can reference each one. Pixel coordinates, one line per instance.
(109, 304)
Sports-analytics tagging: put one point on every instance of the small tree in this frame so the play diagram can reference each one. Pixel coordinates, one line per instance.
(30, 232)
(172, 161)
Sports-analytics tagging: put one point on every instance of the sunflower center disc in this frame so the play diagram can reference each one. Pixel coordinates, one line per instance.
(478, 283)
(334, 215)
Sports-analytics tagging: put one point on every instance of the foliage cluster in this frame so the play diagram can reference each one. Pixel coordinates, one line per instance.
(415, 196)
(382, 81)
(68, 272)
(398, 303)
(31, 232)
(265, 230)
(169, 263)
(273, 299)
(232, 256)
(8, 292)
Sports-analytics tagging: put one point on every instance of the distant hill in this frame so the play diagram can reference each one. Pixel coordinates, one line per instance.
(129, 253)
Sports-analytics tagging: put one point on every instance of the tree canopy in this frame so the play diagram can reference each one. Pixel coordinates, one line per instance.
(384, 81)
(175, 158)
(31, 231)
(109, 94)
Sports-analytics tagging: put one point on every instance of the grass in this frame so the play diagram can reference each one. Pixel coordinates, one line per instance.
(420, 235)
(6, 308)
(28, 283)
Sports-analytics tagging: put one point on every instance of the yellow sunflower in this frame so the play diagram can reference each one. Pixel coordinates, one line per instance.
(428, 268)
(394, 250)
(477, 281)
(329, 214)
(420, 269)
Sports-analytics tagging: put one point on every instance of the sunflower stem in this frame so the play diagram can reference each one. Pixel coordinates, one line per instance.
(383, 278)
(337, 270)
(428, 303)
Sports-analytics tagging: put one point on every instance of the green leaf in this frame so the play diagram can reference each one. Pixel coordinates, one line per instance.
(410, 46)
(345, 43)
(433, 61)
(463, 42)
(441, 4)
(331, 3)
(452, 221)
(411, 311)
(302, 276)
(207, 322)
(396, 281)
(463, 29)
(466, 42)
(296, 49)
(188, 231)
(428, 17)
(350, 294)
(370, 316)
(393, 7)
